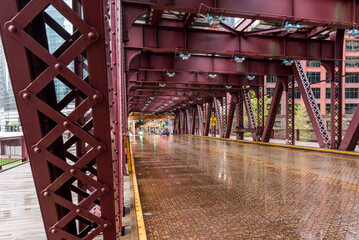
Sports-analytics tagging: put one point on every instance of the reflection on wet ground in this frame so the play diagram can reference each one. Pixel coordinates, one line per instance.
(196, 188)
(20, 216)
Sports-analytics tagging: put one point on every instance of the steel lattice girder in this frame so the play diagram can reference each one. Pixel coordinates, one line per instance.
(352, 137)
(170, 40)
(157, 62)
(32, 69)
(320, 12)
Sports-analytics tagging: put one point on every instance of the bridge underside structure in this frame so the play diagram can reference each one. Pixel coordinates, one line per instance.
(158, 57)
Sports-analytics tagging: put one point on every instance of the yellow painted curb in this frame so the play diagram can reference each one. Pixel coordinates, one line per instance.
(282, 145)
(139, 216)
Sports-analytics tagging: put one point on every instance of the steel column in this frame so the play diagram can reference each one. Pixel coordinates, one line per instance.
(290, 111)
(311, 105)
(250, 114)
(239, 116)
(273, 110)
(218, 109)
(351, 138)
(232, 108)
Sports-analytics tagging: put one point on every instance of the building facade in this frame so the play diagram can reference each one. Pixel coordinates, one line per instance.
(318, 76)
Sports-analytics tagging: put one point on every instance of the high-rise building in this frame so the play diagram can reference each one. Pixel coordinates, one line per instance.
(9, 118)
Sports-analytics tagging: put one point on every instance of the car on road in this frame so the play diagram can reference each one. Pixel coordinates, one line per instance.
(165, 132)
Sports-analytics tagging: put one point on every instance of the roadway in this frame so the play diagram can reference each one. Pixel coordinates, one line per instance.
(200, 188)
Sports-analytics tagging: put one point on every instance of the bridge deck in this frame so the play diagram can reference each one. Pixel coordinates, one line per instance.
(196, 188)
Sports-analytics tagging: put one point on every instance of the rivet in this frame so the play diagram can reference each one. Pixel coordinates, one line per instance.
(78, 210)
(12, 28)
(91, 36)
(58, 66)
(104, 189)
(66, 124)
(95, 97)
(37, 149)
(100, 148)
(25, 95)
(114, 93)
(72, 171)
(46, 194)
(53, 230)
(107, 225)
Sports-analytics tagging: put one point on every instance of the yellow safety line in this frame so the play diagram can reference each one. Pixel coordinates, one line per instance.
(284, 146)
(139, 216)
(296, 172)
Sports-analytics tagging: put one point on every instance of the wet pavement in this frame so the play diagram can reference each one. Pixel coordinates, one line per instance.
(197, 188)
(20, 217)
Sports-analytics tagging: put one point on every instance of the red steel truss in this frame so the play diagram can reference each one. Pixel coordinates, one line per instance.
(157, 56)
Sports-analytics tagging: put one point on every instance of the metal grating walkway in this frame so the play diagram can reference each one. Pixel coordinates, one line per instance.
(196, 188)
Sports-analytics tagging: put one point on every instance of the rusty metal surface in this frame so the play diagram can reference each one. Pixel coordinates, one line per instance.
(193, 188)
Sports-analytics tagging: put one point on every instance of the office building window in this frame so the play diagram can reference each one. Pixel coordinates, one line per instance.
(327, 93)
(270, 90)
(313, 77)
(318, 104)
(350, 108)
(352, 78)
(327, 108)
(271, 79)
(351, 62)
(316, 92)
(352, 93)
(327, 77)
(313, 64)
(351, 46)
(296, 93)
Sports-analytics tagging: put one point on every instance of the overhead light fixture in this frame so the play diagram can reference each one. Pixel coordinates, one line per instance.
(170, 74)
(212, 75)
(251, 77)
(165, 104)
(162, 84)
(184, 104)
(175, 98)
(152, 97)
(190, 102)
(214, 21)
(288, 62)
(170, 101)
(199, 99)
(228, 86)
(178, 106)
(185, 56)
(291, 28)
(355, 33)
(239, 59)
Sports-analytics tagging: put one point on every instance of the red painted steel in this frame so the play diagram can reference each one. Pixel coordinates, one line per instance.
(127, 64)
(54, 166)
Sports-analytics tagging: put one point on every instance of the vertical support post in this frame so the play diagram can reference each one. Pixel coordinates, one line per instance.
(260, 110)
(290, 110)
(218, 112)
(311, 105)
(336, 94)
(239, 116)
(351, 138)
(250, 114)
(193, 123)
(232, 108)
(208, 107)
(273, 110)
(200, 119)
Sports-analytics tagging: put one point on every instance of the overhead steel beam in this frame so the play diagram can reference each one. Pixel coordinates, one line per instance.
(307, 12)
(170, 39)
(169, 62)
